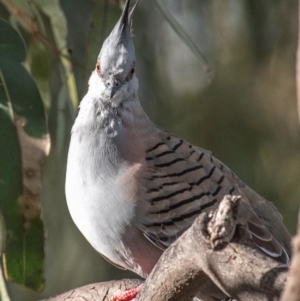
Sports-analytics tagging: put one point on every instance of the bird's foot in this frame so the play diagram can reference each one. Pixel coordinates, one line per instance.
(128, 295)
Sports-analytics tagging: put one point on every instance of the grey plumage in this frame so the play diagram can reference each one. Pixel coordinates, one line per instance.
(133, 188)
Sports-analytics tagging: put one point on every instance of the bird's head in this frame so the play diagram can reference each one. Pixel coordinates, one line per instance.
(114, 76)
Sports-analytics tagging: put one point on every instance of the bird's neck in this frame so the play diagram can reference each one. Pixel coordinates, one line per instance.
(121, 127)
(107, 116)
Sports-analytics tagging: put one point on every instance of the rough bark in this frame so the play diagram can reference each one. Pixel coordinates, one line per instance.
(202, 261)
(292, 289)
(97, 292)
(214, 259)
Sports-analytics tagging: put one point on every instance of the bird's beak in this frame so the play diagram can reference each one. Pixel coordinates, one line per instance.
(112, 86)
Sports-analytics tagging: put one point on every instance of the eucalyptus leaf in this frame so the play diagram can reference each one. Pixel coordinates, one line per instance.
(58, 20)
(37, 59)
(59, 27)
(24, 144)
(11, 46)
(22, 13)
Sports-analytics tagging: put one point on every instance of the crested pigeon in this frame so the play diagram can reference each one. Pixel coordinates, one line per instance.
(133, 188)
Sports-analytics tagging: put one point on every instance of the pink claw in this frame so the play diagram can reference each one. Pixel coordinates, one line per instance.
(128, 295)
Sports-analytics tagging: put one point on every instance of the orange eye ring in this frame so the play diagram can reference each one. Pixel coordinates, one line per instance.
(98, 68)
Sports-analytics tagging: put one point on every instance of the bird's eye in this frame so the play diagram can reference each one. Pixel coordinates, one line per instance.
(131, 72)
(98, 68)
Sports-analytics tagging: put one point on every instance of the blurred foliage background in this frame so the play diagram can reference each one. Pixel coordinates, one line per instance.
(247, 116)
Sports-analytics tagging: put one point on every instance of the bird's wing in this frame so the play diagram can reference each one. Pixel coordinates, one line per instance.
(180, 182)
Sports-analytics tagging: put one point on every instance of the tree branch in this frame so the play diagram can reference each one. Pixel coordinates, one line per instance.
(292, 289)
(97, 292)
(214, 259)
(202, 263)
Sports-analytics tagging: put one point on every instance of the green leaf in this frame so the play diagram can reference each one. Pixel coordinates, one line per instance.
(37, 59)
(59, 26)
(22, 12)
(184, 37)
(24, 143)
(26, 100)
(53, 10)
(10, 188)
(11, 46)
